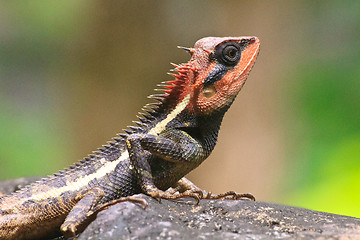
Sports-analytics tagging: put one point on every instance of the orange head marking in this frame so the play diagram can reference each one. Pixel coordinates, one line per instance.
(215, 73)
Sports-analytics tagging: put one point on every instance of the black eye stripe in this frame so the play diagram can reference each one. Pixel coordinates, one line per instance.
(226, 55)
(216, 74)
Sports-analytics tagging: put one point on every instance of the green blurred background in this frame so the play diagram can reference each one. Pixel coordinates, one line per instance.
(73, 73)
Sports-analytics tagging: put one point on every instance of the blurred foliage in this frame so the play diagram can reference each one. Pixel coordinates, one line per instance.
(31, 47)
(325, 125)
(326, 95)
(60, 60)
(26, 147)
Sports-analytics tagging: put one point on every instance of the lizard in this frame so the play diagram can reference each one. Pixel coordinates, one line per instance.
(172, 136)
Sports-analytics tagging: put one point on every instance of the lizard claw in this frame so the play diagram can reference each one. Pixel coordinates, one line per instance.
(167, 195)
(230, 195)
(69, 230)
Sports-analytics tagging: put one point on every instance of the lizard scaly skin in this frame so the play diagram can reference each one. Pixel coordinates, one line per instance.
(173, 136)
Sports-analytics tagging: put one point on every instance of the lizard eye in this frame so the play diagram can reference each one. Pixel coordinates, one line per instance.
(228, 53)
(231, 52)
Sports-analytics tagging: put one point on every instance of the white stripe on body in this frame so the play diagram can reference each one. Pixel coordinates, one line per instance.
(108, 167)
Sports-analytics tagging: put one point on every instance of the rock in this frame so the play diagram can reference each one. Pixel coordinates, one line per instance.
(211, 219)
(217, 219)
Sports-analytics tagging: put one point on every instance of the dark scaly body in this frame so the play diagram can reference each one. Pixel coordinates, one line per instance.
(171, 139)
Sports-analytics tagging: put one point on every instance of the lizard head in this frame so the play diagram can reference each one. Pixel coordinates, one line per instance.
(203, 87)
(215, 73)
(225, 64)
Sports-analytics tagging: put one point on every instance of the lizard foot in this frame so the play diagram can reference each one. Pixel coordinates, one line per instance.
(230, 195)
(132, 199)
(168, 195)
(185, 186)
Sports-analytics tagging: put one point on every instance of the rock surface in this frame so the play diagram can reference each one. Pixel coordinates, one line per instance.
(220, 219)
(228, 219)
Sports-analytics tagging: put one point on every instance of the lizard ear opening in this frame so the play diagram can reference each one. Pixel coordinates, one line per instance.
(209, 91)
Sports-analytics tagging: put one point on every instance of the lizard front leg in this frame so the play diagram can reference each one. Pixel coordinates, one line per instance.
(174, 145)
(185, 185)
